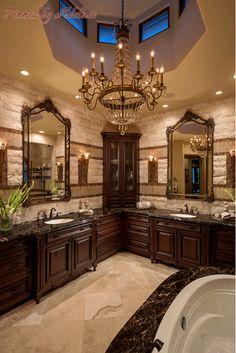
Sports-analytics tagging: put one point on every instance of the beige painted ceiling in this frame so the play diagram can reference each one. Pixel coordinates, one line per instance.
(133, 8)
(208, 67)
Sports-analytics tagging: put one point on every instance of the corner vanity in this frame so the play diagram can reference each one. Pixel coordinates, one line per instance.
(36, 258)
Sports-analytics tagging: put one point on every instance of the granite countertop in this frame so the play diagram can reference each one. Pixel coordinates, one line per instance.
(165, 214)
(38, 228)
(138, 334)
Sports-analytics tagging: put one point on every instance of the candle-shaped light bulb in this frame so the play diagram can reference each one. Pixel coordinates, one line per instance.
(86, 74)
(102, 63)
(152, 54)
(138, 62)
(93, 60)
(83, 78)
(162, 71)
(120, 46)
(157, 75)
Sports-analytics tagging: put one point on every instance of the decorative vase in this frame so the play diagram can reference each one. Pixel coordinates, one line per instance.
(6, 223)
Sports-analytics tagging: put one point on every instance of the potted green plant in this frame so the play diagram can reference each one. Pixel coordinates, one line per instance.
(9, 207)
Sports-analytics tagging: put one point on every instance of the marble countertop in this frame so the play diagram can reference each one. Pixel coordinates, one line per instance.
(138, 334)
(38, 228)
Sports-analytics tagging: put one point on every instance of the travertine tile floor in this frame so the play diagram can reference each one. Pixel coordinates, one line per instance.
(85, 315)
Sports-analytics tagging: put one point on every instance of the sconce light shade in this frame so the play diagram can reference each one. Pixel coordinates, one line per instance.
(3, 145)
(150, 158)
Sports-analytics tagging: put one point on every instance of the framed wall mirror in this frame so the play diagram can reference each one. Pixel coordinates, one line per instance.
(190, 158)
(46, 152)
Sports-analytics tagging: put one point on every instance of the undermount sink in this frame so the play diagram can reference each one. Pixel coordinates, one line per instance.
(182, 215)
(59, 220)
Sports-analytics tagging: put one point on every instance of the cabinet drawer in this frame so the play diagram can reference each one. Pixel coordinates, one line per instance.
(15, 293)
(107, 232)
(137, 228)
(178, 225)
(109, 237)
(15, 267)
(106, 249)
(136, 218)
(108, 222)
(12, 249)
(66, 233)
(139, 236)
(139, 247)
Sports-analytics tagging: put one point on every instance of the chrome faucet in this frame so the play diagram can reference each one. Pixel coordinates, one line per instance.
(41, 215)
(52, 212)
(186, 208)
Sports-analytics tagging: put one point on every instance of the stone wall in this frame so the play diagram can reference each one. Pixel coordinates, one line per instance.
(154, 142)
(85, 137)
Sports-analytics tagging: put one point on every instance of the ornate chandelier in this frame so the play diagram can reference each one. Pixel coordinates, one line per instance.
(124, 95)
(200, 145)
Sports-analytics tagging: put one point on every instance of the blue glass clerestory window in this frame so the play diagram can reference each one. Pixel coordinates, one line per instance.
(71, 15)
(154, 25)
(106, 33)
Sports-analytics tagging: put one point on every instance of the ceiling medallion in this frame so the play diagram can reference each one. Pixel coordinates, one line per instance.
(124, 95)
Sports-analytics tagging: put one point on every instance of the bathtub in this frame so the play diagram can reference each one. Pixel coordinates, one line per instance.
(201, 318)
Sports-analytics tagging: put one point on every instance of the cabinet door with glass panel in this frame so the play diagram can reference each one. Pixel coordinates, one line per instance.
(120, 185)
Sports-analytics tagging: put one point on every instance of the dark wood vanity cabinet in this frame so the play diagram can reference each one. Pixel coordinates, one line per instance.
(63, 255)
(109, 240)
(120, 169)
(223, 246)
(137, 234)
(15, 272)
(179, 243)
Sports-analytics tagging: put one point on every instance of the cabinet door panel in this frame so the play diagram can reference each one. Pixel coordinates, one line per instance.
(165, 244)
(120, 177)
(190, 248)
(58, 263)
(82, 254)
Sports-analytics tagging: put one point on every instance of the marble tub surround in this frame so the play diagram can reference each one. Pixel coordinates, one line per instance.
(85, 315)
(139, 332)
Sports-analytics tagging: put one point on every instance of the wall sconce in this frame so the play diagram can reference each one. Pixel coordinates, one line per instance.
(83, 162)
(3, 146)
(3, 163)
(84, 155)
(152, 169)
(59, 171)
(151, 158)
(230, 169)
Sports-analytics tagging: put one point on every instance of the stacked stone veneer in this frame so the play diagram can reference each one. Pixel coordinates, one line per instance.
(85, 137)
(153, 142)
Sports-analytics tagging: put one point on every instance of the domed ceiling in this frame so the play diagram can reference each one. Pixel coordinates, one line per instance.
(197, 51)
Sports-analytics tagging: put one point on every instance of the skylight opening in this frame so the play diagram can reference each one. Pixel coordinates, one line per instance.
(71, 15)
(106, 33)
(154, 25)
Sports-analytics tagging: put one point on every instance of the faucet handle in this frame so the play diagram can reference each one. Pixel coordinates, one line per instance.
(41, 215)
(194, 210)
(180, 209)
